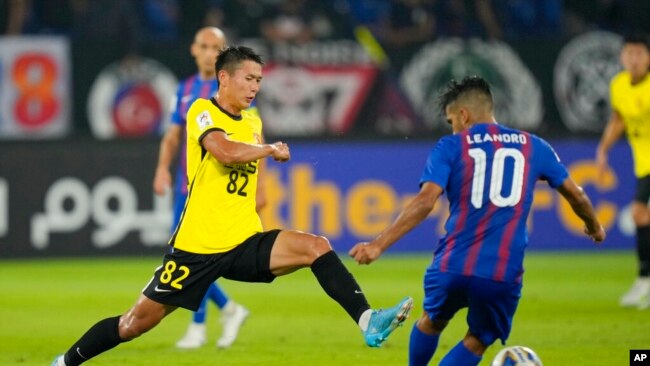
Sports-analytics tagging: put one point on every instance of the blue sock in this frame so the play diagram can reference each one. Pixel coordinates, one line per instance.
(199, 315)
(217, 295)
(421, 347)
(460, 356)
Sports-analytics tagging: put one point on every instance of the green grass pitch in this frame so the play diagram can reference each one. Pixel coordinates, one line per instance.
(569, 313)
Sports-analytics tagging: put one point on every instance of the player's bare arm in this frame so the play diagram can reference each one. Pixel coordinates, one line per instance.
(412, 215)
(582, 206)
(613, 131)
(234, 152)
(162, 180)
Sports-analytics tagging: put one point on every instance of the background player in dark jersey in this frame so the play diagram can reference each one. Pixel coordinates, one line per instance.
(220, 233)
(207, 43)
(489, 173)
(630, 100)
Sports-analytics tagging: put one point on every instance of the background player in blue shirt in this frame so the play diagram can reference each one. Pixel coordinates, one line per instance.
(489, 173)
(206, 46)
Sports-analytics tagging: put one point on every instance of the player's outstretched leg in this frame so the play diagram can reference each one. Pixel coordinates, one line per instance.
(293, 250)
(110, 332)
(383, 322)
(101, 337)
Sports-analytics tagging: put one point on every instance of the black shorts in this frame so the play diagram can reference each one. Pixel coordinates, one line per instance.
(184, 277)
(642, 190)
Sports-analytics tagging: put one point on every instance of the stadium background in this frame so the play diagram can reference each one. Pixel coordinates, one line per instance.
(85, 88)
(350, 84)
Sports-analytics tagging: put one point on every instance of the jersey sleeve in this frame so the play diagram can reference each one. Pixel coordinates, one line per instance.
(552, 169)
(438, 165)
(201, 121)
(175, 106)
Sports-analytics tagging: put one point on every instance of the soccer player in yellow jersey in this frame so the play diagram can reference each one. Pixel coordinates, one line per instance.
(220, 234)
(630, 100)
(207, 43)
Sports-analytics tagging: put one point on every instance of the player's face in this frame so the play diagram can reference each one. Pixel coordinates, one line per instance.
(635, 58)
(205, 50)
(243, 84)
(456, 117)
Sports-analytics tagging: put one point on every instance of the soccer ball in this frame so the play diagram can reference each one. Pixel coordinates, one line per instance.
(516, 356)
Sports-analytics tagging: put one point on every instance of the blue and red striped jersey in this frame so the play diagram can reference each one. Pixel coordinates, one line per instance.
(188, 91)
(489, 173)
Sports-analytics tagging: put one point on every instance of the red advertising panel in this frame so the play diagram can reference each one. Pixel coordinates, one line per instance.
(310, 100)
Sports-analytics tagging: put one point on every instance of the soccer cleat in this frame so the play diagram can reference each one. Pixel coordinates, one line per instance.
(195, 337)
(56, 361)
(637, 294)
(644, 303)
(383, 322)
(231, 324)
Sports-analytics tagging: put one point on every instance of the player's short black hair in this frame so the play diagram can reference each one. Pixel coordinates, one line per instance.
(454, 90)
(637, 38)
(230, 57)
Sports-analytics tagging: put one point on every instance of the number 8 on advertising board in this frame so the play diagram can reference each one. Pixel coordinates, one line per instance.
(34, 88)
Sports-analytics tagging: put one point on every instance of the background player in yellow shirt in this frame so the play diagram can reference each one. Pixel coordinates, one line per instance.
(630, 100)
(220, 234)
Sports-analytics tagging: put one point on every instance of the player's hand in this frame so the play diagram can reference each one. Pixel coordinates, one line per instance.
(597, 235)
(365, 253)
(281, 152)
(162, 181)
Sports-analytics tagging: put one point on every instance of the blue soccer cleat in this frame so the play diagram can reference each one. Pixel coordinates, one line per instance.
(383, 322)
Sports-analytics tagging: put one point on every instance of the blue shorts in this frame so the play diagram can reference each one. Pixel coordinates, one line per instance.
(491, 304)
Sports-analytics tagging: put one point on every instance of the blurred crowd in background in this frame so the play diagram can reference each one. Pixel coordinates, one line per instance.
(393, 54)
(394, 22)
(339, 73)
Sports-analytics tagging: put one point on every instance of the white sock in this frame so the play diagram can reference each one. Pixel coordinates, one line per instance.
(365, 319)
(60, 361)
(229, 308)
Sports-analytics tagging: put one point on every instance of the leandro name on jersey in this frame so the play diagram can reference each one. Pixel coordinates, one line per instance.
(514, 138)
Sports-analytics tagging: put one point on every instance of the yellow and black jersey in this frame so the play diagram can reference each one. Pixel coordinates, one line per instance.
(632, 103)
(220, 211)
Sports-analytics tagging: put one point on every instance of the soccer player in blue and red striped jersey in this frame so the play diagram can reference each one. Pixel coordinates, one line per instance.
(205, 48)
(489, 173)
